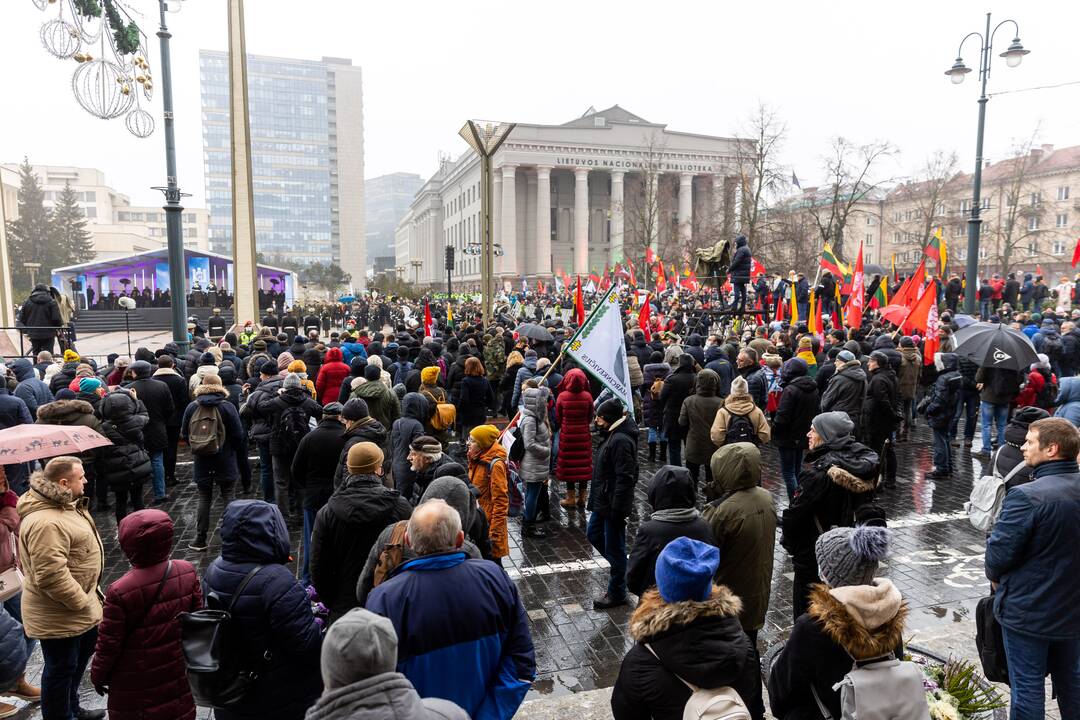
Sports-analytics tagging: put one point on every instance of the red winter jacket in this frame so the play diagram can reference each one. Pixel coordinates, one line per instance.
(573, 413)
(1029, 394)
(138, 653)
(9, 523)
(333, 372)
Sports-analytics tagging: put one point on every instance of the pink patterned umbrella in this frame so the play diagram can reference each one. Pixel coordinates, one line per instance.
(23, 443)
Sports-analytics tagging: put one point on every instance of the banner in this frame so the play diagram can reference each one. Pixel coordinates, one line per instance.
(198, 272)
(600, 349)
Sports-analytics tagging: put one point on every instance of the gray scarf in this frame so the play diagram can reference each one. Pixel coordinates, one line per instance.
(676, 515)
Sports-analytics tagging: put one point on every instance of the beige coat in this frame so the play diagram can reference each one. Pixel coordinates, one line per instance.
(740, 405)
(62, 561)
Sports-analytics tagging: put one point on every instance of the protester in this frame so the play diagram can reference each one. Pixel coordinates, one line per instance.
(315, 471)
(414, 413)
(797, 408)
(573, 414)
(998, 388)
(158, 401)
(739, 419)
(40, 315)
(881, 412)
(425, 457)
(465, 635)
(678, 386)
(289, 415)
(535, 466)
(695, 421)
(615, 473)
(488, 474)
(474, 396)
(847, 389)
(31, 389)
(124, 464)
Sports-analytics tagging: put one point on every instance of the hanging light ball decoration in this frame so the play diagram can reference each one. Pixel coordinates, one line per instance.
(60, 38)
(41, 4)
(139, 123)
(102, 88)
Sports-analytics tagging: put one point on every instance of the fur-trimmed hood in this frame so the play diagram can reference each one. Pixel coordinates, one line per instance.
(64, 412)
(50, 491)
(655, 617)
(848, 481)
(210, 390)
(867, 621)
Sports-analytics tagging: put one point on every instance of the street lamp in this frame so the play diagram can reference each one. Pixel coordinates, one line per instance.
(416, 263)
(486, 138)
(1013, 57)
(33, 267)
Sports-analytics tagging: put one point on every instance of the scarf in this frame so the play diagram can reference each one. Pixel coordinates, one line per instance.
(676, 515)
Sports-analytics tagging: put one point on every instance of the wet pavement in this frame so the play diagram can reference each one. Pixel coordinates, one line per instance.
(936, 562)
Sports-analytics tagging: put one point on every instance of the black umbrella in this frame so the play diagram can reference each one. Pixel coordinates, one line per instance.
(993, 345)
(534, 332)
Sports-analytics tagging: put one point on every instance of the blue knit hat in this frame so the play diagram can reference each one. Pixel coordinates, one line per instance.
(685, 570)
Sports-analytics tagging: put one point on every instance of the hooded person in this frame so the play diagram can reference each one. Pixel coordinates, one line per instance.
(696, 418)
(314, 472)
(408, 427)
(798, 406)
(677, 388)
(839, 475)
(1011, 454)
(852, 616)
(359, 671)
(124, 464)
(381, 400)
(30, 388)
(157, 398)
(138, 656)
(685, 630)
(573, 415)
(528, 370)
(72, 411)
(289, 413)
(332, 373)
(488, 474)
(535, 466)
(349, 524)
(672, 495)
(652, 409)
(742, 518)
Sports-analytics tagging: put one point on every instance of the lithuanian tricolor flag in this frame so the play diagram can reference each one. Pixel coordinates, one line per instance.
(831, 263)
(881, 294)
(449, 316)
(936, 250)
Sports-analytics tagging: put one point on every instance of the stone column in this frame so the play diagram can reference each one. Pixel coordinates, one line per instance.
(496, 225)
(509, 221)
(543, 221)
(581, 221)
(686, 193)
(617, 216)
(245, 271)
(652, 195)
(716, 200)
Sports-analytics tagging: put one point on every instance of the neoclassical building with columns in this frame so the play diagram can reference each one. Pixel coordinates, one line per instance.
(573, 198)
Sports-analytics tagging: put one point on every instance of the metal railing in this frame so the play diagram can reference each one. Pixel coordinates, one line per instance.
(64, 335)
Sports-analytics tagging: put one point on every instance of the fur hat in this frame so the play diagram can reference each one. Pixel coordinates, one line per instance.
(850, 556)
(364, 458)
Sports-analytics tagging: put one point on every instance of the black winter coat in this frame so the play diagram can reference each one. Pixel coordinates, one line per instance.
(678, 386)
(370, 430)
(652, 408)
(797, 409)
(473, 396)
(671, 488)
(178, 389)
(254, 410)
(273, 408)
(344, 531)
(882, 403)
(741, 260)
(125, 462)
(756, 383)
(315, 463)
(939, 405)
(40, 311)
(158, 401)
(846, 392)
(615, 471)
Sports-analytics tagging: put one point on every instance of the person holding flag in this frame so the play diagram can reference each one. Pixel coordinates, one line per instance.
(854, 311)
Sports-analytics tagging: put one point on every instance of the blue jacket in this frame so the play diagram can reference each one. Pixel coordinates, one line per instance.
(1031, 554)
(1068, 400)
(462, 632)
(13, 411)
(352, 350)
(31, 389)
(13, 650)
(230, 462)
(274, 612)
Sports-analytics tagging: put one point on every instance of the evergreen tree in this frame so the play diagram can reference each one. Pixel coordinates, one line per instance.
(29, 237)
(72, 243)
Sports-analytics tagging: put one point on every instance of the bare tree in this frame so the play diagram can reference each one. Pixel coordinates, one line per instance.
(644, 216)
(848, 168)
(1021, 210)
(760, 175)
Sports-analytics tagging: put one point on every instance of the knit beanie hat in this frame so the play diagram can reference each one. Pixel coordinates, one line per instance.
(484, 435)
(283, 360)
(359, 645)
(372, 373)
(89, 385)
(850, 556)
(363, 458)
(297, 366)
(611, 410)
(832, 425)
(292, 380)
(907, 342)
(259, 345)
(880, 358)
(739, 386)
(70, 356)
(685, 570)
(429, 375)
(355, 409)
(64, 394)
(427, 445)
(805, 343)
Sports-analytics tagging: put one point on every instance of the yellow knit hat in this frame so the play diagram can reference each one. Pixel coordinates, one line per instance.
(70, 356)
(485, 435)
(429, 375)
(297, 366)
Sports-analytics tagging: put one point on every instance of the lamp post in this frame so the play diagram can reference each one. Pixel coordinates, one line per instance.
(486, 138)
(32, 267)
(1013, 56)
(416, 263)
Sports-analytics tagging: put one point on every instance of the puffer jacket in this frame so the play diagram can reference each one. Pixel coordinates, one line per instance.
(1068, 400)
(414, 412)
(366, 430)
(488, 475)
(125, 463)
(74, 412)
(653, 408)
(739, 405)
(880, 410)
(274, 408)
(526, 371)
(798, 406)
(535, 465)
(13, 650)
(742, 518)
(696, 418)
(31, 390)
(672, 495)
(332, 373)
(939, 405)
(615, 471)
(455, 375)
(62, 561)
(273, 612)
(472, 398)
(41, 313)
(343, 533)
(138, 654)
(846, 392)
(254, 411)
(860, 621)
(573, 414)
(699, 642)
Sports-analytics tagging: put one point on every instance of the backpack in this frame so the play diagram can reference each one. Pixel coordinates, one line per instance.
(1046, 397)
(290, 429)
(206, 431)
(517, 450)
(220, 668)
(881, 689)
(721, 703)
(1003, 383)
(656, 388)
(445, 415)
(515, 490)
(1052, 345)
(740, 429)
(987, 495)
(392, 553)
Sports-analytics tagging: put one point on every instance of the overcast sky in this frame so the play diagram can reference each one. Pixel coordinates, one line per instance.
(863, 70)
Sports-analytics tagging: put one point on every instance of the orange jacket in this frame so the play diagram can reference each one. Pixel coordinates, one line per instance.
(494, 498)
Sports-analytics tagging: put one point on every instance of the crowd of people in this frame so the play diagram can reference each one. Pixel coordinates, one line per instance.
(384, 448)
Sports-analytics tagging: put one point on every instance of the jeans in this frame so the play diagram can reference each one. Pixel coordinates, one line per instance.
(790, 462)
(984, 310)
(266, 471)
(608, 536)
(1029, 659)
(532, 501)
(206, 497)
(309, 525)
(942, 451)
(157, 463)
(804, 311)
(65, 662)
(13, 605)
(122, 493)
(967, 405)
(173, 442)
(656, 436)
(992, 413)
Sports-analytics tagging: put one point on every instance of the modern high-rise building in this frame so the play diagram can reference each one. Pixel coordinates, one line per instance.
(387, 199)
(307, 158)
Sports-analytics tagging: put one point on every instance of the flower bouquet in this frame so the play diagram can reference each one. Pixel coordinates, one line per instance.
(956, 690)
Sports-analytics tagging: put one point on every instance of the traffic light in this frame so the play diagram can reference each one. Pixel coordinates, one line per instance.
(449, 257)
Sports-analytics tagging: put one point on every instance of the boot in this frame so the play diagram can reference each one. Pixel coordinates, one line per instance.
(25, 691)
(582, 496)
(8, 710)
(571, 497)
(652, 452)
(663, 452)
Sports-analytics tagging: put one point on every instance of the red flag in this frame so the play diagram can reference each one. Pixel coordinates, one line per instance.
(909, 290)
(579, 304)
(633, 279)
(643, 318)
(661, 279)
(1076, 253)
(429, 328)
(756, 268)
(650, 256)
(780, 304)
(1038, 270)
(932, 343)
(919, 316)
(858, 294)
(540, 287)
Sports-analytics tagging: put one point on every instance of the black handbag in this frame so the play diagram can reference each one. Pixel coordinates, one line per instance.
(220, 667)
(989, 642)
